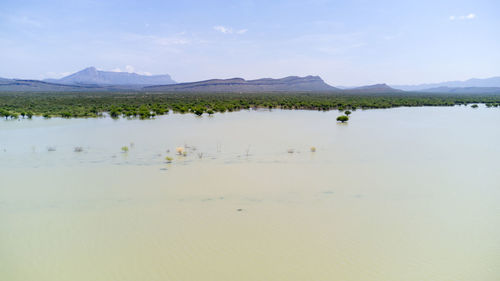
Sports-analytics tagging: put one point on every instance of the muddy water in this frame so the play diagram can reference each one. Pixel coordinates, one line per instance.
(399, 194)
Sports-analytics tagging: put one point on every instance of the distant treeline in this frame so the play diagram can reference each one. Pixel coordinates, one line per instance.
(147, 105)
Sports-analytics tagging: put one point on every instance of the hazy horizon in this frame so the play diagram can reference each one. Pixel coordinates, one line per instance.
(348, 43)
(131, 71)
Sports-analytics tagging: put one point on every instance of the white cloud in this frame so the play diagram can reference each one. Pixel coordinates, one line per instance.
(470, 16)
(129, 69)
(229, 30)
(466, 17)
(223, 29)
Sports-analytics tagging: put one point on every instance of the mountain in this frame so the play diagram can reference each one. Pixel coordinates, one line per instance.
(463, 90)
(287, 84)
(373, 89)
(92, 76)
(91, 79)
(474, 82)
(17, 85)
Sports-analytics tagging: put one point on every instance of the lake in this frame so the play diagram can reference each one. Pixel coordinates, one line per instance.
(395, 194)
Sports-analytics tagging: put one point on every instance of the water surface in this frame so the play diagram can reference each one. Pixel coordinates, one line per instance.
(397, 194)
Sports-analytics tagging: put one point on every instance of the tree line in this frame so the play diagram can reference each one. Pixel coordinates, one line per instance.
(147, 105)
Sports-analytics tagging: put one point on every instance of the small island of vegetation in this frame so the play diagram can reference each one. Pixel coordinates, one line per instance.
(343, 118)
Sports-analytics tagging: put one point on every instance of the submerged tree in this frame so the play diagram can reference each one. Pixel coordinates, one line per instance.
(198, 110)
(343, 118)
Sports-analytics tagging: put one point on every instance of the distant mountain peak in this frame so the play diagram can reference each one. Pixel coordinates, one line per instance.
(92, 76)
(375, 88)
(473, 82)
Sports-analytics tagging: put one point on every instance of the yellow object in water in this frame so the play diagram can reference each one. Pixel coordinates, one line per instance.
(180, 150)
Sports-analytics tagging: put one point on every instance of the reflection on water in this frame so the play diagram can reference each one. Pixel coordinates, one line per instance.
(399, 194)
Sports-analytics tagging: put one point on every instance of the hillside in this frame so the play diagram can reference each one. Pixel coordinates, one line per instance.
(470, 83)
(290, 84)
(464, 90)
(377, 88)
(92, 76)
(17, 85)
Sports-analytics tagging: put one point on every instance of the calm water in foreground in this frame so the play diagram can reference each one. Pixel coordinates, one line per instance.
(397, 194)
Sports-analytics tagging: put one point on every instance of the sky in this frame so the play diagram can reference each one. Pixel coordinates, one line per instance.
(347, 43)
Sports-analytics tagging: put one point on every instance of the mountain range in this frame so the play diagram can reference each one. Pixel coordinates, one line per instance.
(91, 79)
(289, 84)
(493, 82)
(463, 90)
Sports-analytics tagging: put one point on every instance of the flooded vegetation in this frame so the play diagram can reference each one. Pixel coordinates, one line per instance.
(143, 105)
(398, 194)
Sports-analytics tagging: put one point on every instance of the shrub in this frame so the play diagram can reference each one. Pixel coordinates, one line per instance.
(343, 118)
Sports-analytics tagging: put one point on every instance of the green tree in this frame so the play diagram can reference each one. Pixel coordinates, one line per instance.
(343, 118)
(198, 111)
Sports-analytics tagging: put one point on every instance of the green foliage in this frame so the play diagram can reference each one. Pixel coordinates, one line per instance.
(198, 110)
(124, 148)
(147, 105)
(343, 118)
(347, 112)
(474, 106)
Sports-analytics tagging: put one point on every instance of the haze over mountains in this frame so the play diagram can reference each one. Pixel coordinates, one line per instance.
(18, 85)
(291, 83)
(377, 88)
(474, 82)
(92, 76)
(91, 79)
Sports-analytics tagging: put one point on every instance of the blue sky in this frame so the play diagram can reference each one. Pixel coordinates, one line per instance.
(344, 42)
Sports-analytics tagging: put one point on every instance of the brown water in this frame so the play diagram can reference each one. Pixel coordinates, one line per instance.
(398, 194)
